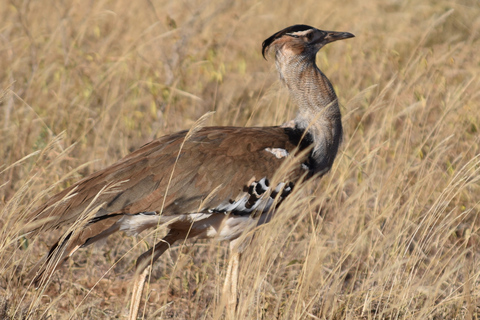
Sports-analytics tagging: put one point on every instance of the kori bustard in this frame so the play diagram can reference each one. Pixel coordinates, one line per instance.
(210, 182)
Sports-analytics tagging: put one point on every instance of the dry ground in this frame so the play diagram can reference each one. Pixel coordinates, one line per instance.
(392, 232)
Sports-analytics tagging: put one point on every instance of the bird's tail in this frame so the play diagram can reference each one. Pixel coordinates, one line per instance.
(96, 229)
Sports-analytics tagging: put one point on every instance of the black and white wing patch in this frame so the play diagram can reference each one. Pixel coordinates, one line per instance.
(259, 197)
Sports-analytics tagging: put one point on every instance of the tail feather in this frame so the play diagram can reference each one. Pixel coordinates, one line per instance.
(96, 229)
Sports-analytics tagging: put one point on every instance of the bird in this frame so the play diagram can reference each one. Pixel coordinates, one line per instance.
(206, 182)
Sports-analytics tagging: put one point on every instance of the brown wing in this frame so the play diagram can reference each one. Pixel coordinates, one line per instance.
(172, 176)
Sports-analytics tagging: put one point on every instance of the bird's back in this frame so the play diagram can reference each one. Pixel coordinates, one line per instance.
(174, 175)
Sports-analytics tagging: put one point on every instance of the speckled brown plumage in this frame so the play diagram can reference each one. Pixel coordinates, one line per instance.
(213, 157)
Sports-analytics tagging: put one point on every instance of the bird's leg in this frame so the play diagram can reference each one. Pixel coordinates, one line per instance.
(234, 261)
(228, 276)
(137, 292)
(144, 266)
(231, 280)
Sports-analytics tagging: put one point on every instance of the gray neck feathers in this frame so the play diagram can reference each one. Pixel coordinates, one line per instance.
(319, 112)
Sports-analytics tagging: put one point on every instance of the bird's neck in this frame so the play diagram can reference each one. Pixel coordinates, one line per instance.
(319, 112)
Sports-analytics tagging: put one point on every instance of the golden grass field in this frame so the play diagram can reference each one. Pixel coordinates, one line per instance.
(392, 232)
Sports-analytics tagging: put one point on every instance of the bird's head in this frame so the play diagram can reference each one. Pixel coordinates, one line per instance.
(301, 40)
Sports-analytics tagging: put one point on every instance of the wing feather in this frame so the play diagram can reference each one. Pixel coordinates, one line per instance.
(228, 157)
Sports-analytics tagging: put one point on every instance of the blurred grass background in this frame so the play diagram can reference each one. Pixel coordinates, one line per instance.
(392, 232)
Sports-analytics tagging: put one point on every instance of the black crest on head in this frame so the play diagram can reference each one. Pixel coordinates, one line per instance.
(295, 28)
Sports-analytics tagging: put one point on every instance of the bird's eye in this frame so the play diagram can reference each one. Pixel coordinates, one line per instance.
(309, 36)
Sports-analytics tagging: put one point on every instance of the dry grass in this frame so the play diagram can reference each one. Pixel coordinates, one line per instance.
(391, 233)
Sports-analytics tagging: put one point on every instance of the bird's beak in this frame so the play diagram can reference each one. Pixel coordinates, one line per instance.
(334, 36)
